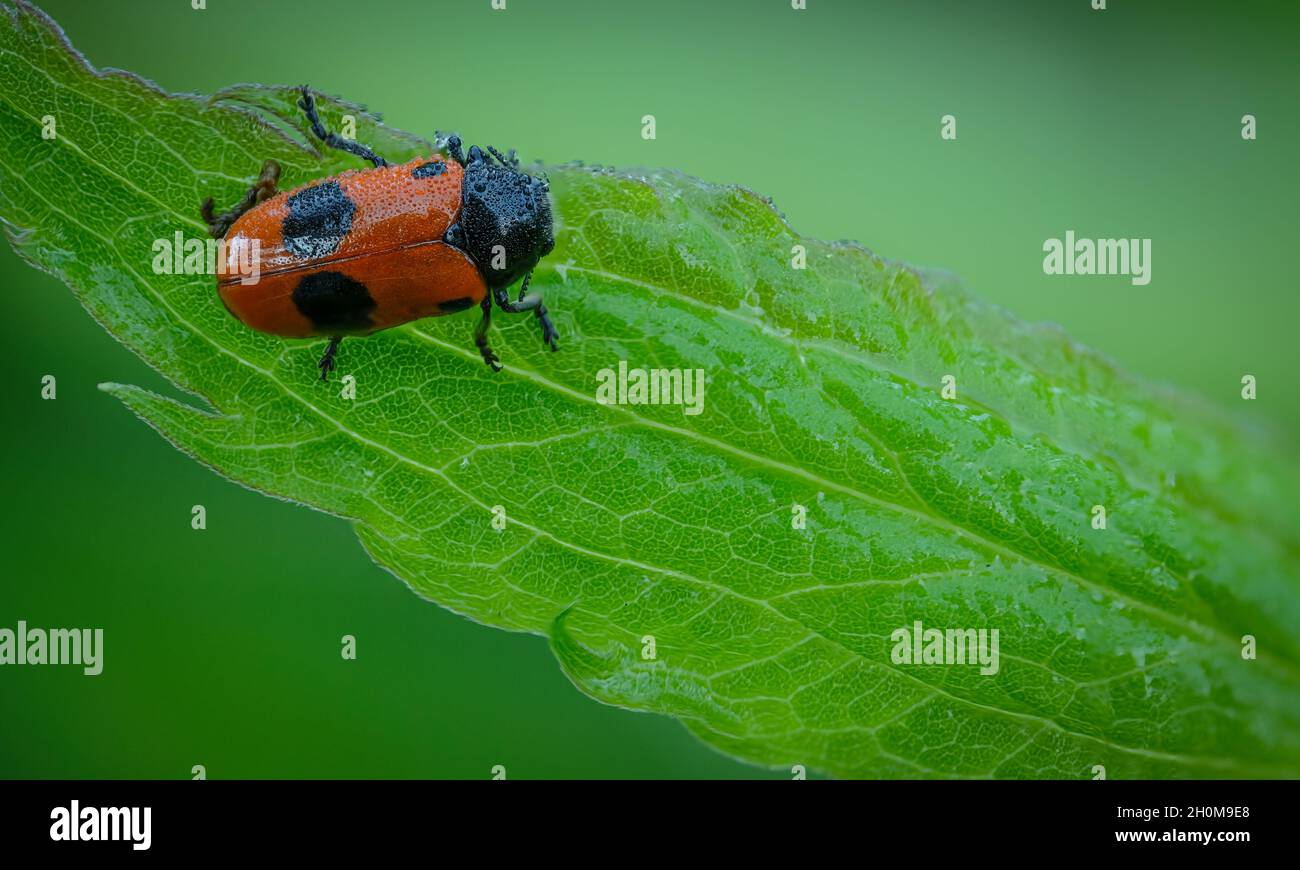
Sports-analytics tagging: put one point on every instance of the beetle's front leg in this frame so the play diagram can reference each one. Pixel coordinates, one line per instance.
(451, 142)
(334, 140)
(528, 302)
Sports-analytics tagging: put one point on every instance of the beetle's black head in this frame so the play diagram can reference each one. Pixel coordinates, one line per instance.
(505, 220)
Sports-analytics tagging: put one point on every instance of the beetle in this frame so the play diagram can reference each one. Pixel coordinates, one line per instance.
(374, 248)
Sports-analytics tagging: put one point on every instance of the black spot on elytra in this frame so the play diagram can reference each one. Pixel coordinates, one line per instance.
(319, 217)
(431, 169)
(332, 300)
(452, 305)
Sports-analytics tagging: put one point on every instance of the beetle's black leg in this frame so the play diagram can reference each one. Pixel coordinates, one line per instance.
(262, 189)
(334, 140)
(326, 364)
(528, 302)
(481, 336)
(452, 144)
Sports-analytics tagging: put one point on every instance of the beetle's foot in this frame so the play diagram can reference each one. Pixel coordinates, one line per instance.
(550, 335)
(490, 358)
(326, 364)
(215, 227)
(306, 102)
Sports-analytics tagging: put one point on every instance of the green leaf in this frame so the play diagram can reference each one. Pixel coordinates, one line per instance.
(1119, 647)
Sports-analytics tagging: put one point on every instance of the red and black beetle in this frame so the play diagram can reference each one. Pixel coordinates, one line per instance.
(369, 249)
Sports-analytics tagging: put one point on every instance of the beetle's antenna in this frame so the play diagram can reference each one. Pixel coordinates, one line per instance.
(510, 161)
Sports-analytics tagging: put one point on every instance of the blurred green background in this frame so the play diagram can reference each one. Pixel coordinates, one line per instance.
(222, 646)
